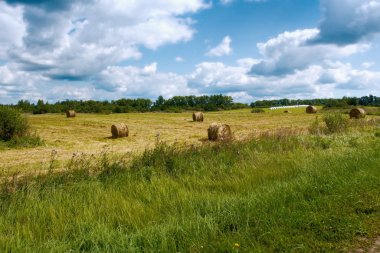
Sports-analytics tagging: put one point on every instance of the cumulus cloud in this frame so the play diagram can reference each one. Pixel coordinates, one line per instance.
(142, 82)
(348, 78)
(71, 50)
(349, 21)
(290, 51)
(18, 83)
(344, 31)
(75, 39)
(216, 77)
(224, 48)
(12, 28)
(333, 78)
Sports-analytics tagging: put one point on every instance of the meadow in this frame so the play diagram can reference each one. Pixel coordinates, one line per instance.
(91, 134)
(165, 188)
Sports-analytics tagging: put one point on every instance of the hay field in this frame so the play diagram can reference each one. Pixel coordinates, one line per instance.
(91, 133)
(280, 192)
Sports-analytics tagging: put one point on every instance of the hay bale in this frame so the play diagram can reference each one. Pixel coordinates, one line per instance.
(219, 132)
(357, 113)
(286, 111)
(70, 114)
(311, 109)
(198, 116)
(119, 130)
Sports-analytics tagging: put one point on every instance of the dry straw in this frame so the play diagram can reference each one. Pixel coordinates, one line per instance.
(198, 116)
(219, 132)
(119, 130)
(311, 109)
(70, 114)
(357, 113)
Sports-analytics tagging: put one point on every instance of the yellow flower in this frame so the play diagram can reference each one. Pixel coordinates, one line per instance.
(236, 245)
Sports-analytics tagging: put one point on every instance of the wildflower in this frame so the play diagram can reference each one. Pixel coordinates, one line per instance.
(236, 245)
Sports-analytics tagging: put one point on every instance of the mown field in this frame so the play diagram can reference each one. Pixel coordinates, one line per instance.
(275, 188)
(90, 133)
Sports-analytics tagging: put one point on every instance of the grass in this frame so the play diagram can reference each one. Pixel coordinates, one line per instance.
(28, 141)
(282, 192)
(274, 189)
(90, 133)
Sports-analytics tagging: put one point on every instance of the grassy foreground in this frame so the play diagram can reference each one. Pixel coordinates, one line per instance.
(278, 193)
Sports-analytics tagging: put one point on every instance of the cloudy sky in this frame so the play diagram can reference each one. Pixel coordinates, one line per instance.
(249, 49)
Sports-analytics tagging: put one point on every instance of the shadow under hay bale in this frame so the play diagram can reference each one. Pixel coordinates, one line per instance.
(198, 116)
(311, 109)
(70, 114)
(119, 130)
(219, 132)
(286, 111)
(357, 113)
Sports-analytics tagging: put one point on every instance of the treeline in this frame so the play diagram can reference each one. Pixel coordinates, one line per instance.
(174, 104)
(328, 102)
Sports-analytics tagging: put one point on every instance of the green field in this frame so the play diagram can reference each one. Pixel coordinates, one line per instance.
(275, 188)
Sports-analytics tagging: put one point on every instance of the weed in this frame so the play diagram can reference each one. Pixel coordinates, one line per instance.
(336, 123)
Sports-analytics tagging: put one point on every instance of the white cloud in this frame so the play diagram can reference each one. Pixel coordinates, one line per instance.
(349, 21)
(85, 37)
(241, 96)
(224, 48)
(12, 27)
(290, 51)
(328, 80)
(83, 41)
(19, 84)
(145, 82)
(367, 65)
(179, 59)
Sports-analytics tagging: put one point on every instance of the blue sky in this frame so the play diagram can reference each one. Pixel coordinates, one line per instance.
(248, 49)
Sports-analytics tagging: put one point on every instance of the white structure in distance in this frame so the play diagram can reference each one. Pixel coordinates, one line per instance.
(287, 106)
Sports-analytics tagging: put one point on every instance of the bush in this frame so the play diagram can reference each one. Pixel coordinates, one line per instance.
(257, 111)
(336, 123)
(12, 124)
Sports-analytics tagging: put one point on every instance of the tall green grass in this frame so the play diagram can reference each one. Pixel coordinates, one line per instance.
(281, 193)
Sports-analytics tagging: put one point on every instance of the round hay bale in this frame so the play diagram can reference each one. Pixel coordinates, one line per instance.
(119, 130)
(311, 109)
(198, 116)
(219, 132)
(357, 113)
(286, 111)
(70, 114)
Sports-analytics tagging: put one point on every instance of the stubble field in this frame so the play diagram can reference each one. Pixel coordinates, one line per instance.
(91, 133)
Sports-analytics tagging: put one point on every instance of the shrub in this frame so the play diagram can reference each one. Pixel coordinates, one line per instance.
(12, 124)
(336, 123)
(257, 110)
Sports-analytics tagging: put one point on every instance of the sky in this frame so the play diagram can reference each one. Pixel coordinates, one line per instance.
(248, 49)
